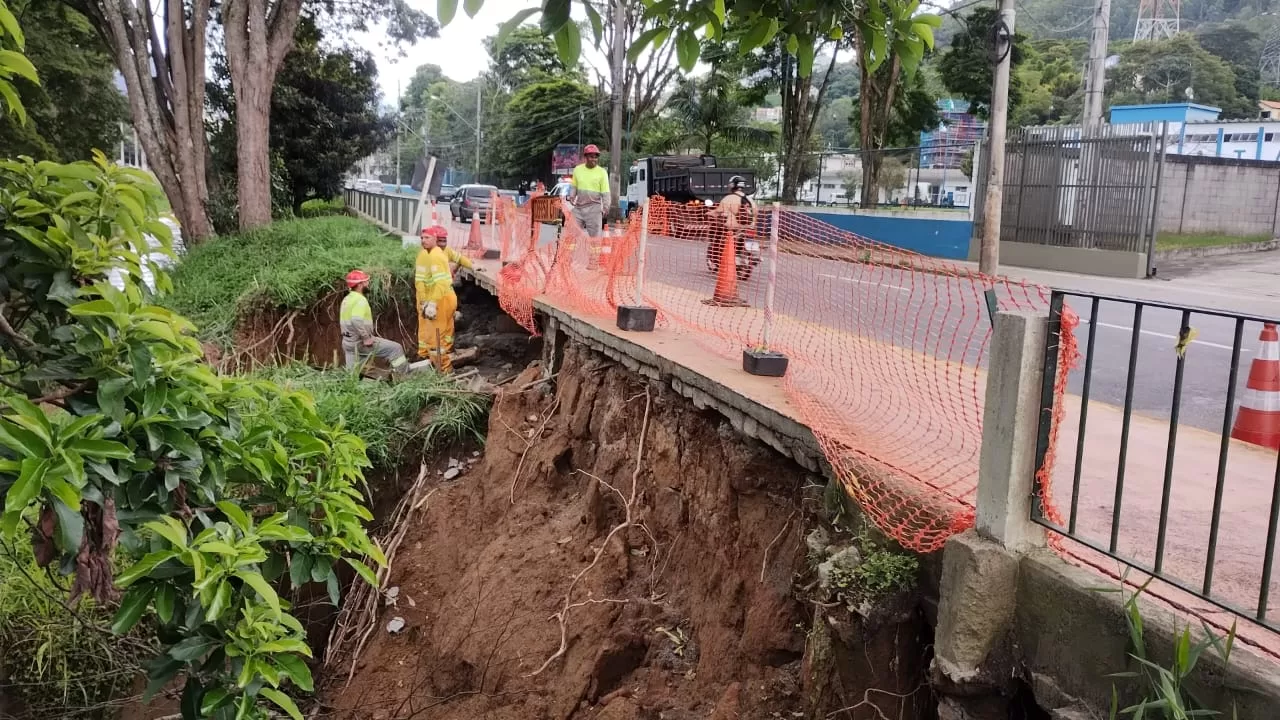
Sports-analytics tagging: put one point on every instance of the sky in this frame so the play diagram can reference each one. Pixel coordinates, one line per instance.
(459, 51)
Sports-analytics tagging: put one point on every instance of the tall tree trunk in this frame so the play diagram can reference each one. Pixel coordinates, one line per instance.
(257, 37)
(165, 89)
(800, 110)
(876, 109)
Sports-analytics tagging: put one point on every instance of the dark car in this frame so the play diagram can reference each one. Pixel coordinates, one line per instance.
(470, 200)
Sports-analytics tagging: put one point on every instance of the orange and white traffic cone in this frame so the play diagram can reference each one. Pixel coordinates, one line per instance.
(475, 246)
(1258, 419)
(726, 292)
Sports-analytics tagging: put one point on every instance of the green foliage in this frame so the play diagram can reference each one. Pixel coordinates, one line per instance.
(324, 118)
(1239, 45)
(286, 264)
(55, 659)
(317, 207)
(538, 117)
(709, 108)
(886, 27)
(879, 574)
(324, 114)
(915, 110)
(523, 57)
(117, 440)
(420, 410)
(966, 66)
(76, 107)
(1163, 690)
(1165, 70)
(13, 63)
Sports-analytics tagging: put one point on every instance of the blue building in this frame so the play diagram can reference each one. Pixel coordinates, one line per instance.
(1195, 130)
(1165, 112)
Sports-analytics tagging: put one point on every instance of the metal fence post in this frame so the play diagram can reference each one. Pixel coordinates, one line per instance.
(640, 257)
(1007, 464)
(771, 279)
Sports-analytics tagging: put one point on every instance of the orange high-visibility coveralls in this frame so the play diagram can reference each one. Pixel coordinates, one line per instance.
(434, 284)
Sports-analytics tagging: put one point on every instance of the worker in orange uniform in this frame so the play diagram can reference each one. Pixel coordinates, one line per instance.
(437, 302)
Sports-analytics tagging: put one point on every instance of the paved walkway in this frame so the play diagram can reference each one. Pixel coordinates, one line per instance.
(710, 350)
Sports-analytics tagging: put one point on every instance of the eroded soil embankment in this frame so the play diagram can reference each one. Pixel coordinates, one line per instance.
(674, 618)
(705, 604)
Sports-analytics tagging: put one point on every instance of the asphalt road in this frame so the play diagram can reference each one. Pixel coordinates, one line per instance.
(945, 317)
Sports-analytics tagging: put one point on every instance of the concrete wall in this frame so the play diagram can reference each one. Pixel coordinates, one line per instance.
(1219, 195)
(937, 237)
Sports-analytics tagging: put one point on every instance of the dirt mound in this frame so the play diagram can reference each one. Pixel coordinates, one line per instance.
(687, 613)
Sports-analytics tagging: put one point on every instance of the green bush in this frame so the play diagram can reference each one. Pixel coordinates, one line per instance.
(317, 207)
(423, 408)
(53, 660)
(289, 264)
(119, 445)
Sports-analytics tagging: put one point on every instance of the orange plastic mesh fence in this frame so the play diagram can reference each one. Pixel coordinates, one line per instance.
(887, 348)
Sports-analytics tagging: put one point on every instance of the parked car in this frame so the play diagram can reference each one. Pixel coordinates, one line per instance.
(469, 200)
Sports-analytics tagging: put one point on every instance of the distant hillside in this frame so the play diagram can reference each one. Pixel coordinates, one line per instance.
(1070, 18)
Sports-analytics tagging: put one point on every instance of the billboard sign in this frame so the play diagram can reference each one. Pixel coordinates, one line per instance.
(565, 158)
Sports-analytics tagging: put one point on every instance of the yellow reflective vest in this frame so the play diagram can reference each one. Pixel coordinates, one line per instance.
(431, 277)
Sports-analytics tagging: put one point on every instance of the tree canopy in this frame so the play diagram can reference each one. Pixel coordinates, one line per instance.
(76, 107)
(966, 67)
(1176, 70)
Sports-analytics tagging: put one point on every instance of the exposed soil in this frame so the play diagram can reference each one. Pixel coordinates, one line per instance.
(313, 336)
(693, 612)
(486, 575)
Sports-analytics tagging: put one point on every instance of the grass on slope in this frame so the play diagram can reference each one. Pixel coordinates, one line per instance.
(288, 264)
(388, 417)
(1175, 241)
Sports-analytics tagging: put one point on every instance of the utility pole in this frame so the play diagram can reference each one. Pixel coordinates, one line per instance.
(615, 132)
(399, 122)
(479, 84)
(989, 256)
(1096, 74)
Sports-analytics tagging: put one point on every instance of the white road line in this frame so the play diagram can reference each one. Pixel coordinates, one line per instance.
(899, 288)
(1167, 335)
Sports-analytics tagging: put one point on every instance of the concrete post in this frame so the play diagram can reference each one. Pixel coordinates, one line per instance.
(1009, 425)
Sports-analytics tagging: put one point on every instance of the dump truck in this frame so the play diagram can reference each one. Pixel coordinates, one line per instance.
(696, 179)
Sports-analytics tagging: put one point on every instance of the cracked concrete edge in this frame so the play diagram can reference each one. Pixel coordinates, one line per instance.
(788, 437)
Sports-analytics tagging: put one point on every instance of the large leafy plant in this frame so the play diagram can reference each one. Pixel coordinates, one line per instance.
(119, 447)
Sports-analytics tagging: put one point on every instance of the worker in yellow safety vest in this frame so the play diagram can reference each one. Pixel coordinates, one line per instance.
(589, 192)
(437, 302)
(355, 318)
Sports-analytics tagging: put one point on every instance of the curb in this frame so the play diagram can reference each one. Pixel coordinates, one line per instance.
(1235, 249)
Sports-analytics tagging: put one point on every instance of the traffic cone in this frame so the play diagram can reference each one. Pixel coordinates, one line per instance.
(726, 292)
(1258, 419)
(475, 247)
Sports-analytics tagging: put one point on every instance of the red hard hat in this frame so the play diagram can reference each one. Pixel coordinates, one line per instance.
(355, 277)
(436, 231)
(591, 150)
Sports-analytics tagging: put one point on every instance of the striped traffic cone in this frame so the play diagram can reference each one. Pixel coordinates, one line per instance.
(475, 246)
(1258, 419)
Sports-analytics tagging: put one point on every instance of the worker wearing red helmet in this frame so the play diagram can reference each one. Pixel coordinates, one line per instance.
(359, 342)
(437, 302)
(589, 191)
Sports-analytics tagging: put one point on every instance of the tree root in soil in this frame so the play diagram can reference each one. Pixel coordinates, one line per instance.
(629, 521)
(359, 615)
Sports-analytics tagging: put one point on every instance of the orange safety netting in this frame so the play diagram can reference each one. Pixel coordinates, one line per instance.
(887, 348)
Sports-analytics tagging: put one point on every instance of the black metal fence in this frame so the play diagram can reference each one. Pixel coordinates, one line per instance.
(1152, 406)
(1067, 186)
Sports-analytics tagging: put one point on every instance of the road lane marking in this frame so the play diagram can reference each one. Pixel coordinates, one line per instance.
(1166, 335)
(899, 288)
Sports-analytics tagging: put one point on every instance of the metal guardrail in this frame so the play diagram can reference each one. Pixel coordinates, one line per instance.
(1110, 546)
